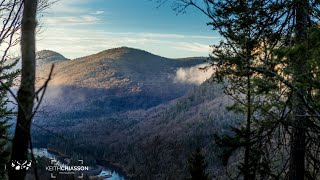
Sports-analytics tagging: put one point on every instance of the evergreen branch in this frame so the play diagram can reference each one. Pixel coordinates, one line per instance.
(288, 84)
(13, 95)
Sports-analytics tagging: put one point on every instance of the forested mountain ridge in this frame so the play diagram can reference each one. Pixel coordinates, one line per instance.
(177, 127)
(123, 77)
(117, 67)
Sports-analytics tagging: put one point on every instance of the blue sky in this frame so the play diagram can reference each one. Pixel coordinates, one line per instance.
(77, 28)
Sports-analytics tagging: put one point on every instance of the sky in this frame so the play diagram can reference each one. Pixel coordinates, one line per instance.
(77, 28)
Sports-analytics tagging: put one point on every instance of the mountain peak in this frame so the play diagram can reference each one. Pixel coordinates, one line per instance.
(48, 56)
(123, 52)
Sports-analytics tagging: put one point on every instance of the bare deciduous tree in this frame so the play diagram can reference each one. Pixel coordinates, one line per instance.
(26, 93)
(12, 12)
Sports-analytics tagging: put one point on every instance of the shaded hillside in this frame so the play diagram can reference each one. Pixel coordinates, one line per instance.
(189, 121)
(200, 112)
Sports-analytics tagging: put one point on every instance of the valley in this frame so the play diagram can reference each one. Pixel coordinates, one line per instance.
(120, 105)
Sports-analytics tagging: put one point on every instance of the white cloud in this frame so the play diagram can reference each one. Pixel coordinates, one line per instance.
(98, 12)
(178, 36)
(73, 42)
(194, 47)
(67, 7)
(71, 20)
(193, 75)
(74, 29)
(60, 34)
(69, 12)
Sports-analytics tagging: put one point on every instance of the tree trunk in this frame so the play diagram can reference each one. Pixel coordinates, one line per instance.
(247, 152)
(299, 111)
(26, 91)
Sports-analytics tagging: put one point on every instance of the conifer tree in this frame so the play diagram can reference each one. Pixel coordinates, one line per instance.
(197, 166)
(7, 77)
(232, 60)
(10, 16)
(285, 78)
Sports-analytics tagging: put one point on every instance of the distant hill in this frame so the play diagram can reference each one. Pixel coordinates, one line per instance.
(43, 58)
(117, 68)
(48, 56)
(115, 79)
